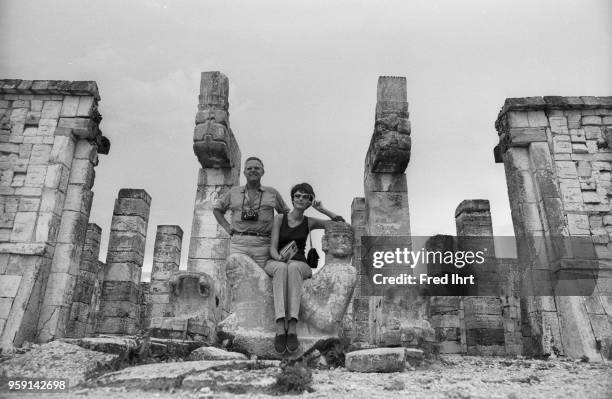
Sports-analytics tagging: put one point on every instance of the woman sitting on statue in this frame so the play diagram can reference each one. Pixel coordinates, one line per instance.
(288, 273)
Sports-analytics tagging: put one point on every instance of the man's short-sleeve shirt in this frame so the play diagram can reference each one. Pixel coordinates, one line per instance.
(237, 196)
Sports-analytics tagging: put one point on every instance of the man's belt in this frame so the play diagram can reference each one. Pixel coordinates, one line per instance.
(250, 233)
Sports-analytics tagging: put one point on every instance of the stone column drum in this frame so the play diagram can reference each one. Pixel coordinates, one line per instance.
(119, 308)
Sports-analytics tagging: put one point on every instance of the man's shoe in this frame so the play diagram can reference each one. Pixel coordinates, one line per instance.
(292, 342)
(280, 343)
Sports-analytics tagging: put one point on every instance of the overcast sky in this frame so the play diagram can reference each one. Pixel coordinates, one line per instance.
(303, 80)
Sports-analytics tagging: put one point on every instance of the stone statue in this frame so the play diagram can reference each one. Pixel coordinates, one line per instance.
(192, 301)
(328, 293)
(325, 298)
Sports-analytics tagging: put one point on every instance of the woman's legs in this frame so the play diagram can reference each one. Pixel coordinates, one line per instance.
(287, 281)
(297, 272)
(278, 271)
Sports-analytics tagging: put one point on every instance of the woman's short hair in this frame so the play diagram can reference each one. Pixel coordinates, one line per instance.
(303, 187)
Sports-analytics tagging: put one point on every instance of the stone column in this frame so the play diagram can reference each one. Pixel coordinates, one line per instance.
(217, 151)
(484, 323)
(557, 157)
(50, 141)
(119, 308)
(85, 287)
(166, 261)
(386, 202)
(360, 305)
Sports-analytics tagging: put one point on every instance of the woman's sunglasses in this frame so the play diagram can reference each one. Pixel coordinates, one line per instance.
(302, 196)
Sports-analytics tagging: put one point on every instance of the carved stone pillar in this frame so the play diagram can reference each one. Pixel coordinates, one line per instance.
(217, 151)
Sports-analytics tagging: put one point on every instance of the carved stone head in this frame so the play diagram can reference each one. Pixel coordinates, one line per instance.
(337, 242)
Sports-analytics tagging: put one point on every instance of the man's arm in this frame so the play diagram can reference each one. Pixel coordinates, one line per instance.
(220, 216)
(281, 206)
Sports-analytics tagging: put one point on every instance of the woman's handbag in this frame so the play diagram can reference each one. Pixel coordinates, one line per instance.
(313, 257)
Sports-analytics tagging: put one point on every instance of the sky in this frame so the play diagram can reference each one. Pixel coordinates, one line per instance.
(303, 78)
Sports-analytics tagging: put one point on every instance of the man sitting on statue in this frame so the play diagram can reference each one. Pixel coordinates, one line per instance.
(252, 207)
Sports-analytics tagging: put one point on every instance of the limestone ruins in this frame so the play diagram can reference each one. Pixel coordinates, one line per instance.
(557, 154)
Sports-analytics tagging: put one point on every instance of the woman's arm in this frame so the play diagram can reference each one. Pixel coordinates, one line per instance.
(274, 239)
(319, 223)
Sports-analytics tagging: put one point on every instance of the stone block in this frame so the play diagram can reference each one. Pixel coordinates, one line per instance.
(73, 227)
(580, 149)
(518, 119)
(51, 201)
(118, 309)
(40, 154)
(47, 128)
(378, 360)
(51, 109)
(62, 151)
(5, 307)
(566, 170)
(570, 190)
(23, 226)
(35, 176)
(215, 248)
(578, 224)
(127, 241)
(537, 119)
(86, 106)
(212, 353)
(385, 182)
(129, 224)
(119, 291)
(577, 136)
(117, 325)
(69, 106)
(60, 287)
(123, 272)
(9, 286)
(593, 132)
(82, 172)
(131, 207)
(522, 137)
(84, 128)
(163, 271)
(47, 226)
(27, 204)
(591, 120)
(124, 256)
(206, 226)
(561, 145)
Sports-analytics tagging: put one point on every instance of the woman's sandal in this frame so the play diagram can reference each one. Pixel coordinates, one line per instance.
(280, 343)
(293, 344)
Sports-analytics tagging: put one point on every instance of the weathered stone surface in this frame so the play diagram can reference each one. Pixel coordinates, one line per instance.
(214, 143)
(117, 345)
(156, 376)
(212, 353)
(59, 360)
(379, 360)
